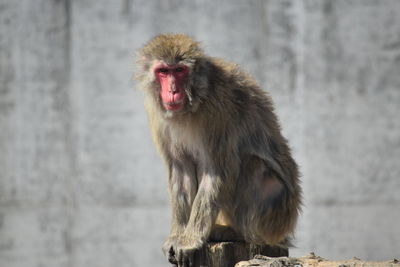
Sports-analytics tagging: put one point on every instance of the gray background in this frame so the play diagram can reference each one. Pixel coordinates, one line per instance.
(80, 181)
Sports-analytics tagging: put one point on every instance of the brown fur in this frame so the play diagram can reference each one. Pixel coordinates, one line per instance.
(228, 162)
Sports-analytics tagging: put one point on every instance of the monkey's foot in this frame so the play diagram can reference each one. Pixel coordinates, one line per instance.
(181, 250)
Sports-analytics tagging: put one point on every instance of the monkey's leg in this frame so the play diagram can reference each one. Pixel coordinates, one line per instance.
(182, 189)
(267, 209)
(223, 229)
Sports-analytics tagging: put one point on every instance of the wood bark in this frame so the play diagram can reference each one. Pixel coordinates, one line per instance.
(227, 254)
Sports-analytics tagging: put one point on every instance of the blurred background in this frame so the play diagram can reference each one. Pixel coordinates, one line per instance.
(80, 181)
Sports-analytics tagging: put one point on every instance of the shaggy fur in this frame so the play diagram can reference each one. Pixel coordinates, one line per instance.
(228, 162)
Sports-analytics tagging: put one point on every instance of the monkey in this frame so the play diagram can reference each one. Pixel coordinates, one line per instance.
(231, 175)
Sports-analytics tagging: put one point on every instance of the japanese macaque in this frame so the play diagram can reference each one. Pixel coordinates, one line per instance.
(231, 173)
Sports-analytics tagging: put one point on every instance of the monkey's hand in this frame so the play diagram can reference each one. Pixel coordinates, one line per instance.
(181, 250)
(169, 251)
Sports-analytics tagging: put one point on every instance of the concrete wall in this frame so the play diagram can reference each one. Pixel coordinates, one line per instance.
(80, 181)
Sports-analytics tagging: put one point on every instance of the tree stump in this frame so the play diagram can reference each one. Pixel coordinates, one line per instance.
(227, 254)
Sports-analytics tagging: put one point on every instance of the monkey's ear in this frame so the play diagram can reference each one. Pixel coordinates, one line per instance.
(143, 62)
(141, 67)
(141, 59)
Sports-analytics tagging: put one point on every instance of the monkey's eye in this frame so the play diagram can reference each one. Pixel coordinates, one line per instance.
(179, 69)
(163, 70)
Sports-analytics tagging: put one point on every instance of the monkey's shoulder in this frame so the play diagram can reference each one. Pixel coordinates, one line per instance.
(230, 70)
(239, 88)
(223, 64)
(232, 74)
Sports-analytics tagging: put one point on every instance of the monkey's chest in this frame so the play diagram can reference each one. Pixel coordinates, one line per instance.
(188, 142)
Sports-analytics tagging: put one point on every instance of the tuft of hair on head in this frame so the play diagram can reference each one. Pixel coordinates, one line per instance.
(172, 48)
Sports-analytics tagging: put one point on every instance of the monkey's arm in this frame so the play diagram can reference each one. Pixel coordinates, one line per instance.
(203, 213)
(202, 217)
(182, 190)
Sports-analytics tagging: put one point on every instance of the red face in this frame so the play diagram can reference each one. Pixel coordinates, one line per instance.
(172, 80)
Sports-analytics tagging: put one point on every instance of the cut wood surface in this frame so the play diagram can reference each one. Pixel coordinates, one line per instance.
(312, 260)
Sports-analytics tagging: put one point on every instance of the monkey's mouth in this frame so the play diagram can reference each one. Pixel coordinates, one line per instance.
(174, 105)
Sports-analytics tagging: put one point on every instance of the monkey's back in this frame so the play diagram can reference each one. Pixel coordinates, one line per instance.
(260, 145)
